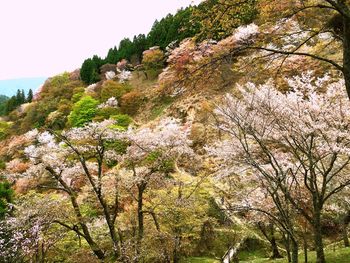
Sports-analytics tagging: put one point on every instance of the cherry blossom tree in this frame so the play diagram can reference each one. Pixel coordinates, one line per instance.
(151, 156)
(84, 152)
(293, 143)
(99, 158)
(30, 232)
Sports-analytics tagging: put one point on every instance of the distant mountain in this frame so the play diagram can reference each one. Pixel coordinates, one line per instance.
(10, 86)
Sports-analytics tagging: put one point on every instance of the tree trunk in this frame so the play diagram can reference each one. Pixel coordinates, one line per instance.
(346, 53)
(274, 248)
(94, 247)
(140, 218)
(176, 253)
(345, 222)
(286, 241)
(345, 235)
(305, 248)
(320, 258)
(270, 236)
(295, 250)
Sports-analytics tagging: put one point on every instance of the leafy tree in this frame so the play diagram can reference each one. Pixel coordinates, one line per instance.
(83, 111)
(153, 59)
(218, 18)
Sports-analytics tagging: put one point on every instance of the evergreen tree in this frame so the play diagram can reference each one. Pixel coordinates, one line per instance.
(11, 104)
(89, 72)
(126, 49)
(23, 97)
(18, 97)
(112, 56)
(30, 96)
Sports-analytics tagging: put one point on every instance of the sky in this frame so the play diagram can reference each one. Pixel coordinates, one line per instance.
(42, 38)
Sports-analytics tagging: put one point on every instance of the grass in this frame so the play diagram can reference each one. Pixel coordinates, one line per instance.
(341, 255)
(200, 260)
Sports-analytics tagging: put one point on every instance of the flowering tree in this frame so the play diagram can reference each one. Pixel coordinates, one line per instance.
(325, 22)
(84, 152)
(189, 64)
(99, 158)
(295, 144)
(151, 156)
(30, 233)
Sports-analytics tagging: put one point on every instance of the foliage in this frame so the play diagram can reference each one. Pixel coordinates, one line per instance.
(123, 120)
(114, 89)
(106, 113)
(4, 129)
(9, 104)
(218, 18)
(83, 111)
(83, 154)
(6, 196)
(55, 96)
(131, 102)
(153, 59)
(169, 29)
(89, 71)
(3, 104)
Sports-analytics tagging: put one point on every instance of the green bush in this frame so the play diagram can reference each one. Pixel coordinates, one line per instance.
(106, 113)
(123, 120)
(6, 195)
(83, 111)
(4, 129)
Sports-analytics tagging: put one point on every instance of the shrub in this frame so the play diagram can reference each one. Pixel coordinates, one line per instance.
(153, 59)
(83, 111)
(112, 88)
(123, 120)
(106, 113)
(131, 102)
(4, 129)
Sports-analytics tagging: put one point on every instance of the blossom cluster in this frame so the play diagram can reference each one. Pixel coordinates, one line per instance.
(112, 102)
(271, 135)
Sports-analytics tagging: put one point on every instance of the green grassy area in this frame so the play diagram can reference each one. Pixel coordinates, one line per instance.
(248, 256)
(341, 255)
(200, 260)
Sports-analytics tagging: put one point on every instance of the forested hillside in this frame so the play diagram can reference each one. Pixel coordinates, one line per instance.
(220, 136)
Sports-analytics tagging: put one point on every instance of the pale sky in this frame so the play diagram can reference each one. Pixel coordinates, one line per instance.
(47, 37)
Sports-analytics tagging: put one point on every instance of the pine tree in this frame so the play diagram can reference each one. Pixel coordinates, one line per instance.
(18, 98)
(23, 97)
(30, 96)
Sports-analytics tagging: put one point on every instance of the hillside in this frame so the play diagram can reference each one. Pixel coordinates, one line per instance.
(222, 135)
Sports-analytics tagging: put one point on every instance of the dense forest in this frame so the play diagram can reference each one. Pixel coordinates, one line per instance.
(220, 136)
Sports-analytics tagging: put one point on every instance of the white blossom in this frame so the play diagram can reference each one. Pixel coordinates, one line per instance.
(110, 75)
(124, 75)
(245, 33)
(112, 102)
